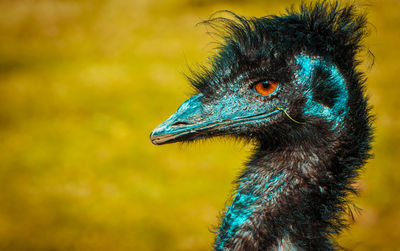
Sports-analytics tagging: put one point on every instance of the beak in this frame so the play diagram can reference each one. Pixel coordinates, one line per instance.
(194, 120)
(188, 119)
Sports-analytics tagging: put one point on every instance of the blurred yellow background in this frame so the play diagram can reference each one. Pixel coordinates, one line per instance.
(82, 84)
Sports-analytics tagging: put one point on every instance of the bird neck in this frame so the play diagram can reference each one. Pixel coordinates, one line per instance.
(285, 199)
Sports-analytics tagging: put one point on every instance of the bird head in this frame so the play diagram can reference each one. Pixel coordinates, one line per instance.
(275, 77)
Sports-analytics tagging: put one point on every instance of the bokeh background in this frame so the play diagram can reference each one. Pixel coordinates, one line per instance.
(82, 84)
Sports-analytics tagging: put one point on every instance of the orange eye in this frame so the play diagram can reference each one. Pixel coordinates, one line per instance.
(266, 87)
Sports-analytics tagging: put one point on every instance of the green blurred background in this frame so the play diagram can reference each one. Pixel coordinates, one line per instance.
(82, 84)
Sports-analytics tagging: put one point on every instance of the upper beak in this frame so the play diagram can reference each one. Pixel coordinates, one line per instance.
(187, 119)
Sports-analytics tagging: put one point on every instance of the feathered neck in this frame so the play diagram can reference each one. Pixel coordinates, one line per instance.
(287, 198)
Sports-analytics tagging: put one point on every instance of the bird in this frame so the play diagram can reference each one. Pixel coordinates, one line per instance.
(291, 85)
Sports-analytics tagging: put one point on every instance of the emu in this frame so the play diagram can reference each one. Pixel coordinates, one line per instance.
(289, 84)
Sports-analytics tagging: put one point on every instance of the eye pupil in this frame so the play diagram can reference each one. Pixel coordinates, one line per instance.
(266, 87)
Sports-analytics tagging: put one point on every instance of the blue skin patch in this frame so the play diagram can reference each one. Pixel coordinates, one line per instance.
(339, 111)
(238, 213)
(243, 207)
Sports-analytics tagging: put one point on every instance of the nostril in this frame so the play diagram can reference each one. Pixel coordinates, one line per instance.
(180, 123)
